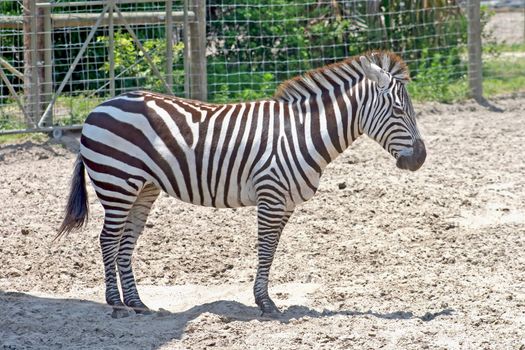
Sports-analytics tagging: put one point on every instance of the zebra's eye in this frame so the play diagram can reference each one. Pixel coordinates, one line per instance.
(398, 110)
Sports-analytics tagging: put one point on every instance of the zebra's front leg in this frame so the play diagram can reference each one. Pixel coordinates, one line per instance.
(272, 217)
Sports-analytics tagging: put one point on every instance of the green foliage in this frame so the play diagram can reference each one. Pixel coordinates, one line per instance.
(11, 7)
(501, 75)
(8, 41)
(241, 87)
(287, 37)
(78, 107)
(8, 122)
(504, 75)
(19, 138)
(257, 47)
(436, 74)
(497, 49)
(490, 45)
(254, 45)
(130, 60)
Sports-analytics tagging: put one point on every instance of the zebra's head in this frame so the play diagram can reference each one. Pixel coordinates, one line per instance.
(391, 117)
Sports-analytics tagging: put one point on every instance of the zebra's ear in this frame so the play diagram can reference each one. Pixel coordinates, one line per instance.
(374, 72)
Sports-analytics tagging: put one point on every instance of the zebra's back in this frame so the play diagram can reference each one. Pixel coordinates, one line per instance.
(200, 153)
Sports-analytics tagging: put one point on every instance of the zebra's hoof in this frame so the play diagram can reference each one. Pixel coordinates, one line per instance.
(271, 314)
(269, 309)
(120, 313)
(140, 308)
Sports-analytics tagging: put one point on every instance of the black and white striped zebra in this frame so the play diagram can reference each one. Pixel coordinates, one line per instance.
(268, 153)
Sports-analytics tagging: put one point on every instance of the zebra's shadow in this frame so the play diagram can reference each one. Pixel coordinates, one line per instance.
(230, 310)
(28, 320)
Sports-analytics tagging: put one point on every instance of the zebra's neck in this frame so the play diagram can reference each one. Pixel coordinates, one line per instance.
(328, 117)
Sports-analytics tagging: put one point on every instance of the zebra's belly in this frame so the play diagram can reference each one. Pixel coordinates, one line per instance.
(206, 194)
(188, 187)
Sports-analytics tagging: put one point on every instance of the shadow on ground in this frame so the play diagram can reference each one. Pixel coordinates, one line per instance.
(30, 320)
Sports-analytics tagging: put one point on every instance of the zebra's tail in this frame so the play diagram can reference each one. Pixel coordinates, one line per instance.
(77, 208)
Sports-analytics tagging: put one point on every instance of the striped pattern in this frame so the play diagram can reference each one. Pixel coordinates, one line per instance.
(268, 153)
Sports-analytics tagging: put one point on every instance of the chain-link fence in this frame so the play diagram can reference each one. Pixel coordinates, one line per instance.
(62, 58)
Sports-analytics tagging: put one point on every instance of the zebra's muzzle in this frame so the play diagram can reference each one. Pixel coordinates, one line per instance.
(414, 158)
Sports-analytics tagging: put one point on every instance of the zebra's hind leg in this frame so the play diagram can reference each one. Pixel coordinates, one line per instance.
(114, 222)
(272, 217)
(134, 226)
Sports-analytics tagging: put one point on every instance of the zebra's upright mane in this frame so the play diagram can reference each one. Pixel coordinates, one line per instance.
(387, 60)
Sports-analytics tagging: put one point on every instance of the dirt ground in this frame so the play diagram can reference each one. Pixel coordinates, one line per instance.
(507, 27)
(379, 258)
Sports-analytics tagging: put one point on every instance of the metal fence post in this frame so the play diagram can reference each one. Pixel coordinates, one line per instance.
(198, 69)
(475, 65)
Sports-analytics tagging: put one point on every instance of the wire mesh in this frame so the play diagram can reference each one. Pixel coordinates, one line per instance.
(251, 47)
(254, 45)
(11, 62)
(57, 45)
(504, 47)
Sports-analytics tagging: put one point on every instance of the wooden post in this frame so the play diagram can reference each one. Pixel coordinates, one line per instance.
(29, 78)
(198, 70)
(475, 66)
(187, 51)
(37, 61)
(111, 50)
(48, 65)
(65, 20)
(169, 44)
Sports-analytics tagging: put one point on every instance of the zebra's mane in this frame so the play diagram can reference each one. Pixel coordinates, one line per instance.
(387, 60)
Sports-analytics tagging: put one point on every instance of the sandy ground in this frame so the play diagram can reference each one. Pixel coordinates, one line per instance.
(507, 27)
(379, 258)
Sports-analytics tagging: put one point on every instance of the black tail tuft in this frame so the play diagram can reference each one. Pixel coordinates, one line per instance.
(77, 208)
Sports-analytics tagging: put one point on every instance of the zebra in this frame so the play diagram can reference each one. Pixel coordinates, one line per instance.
(269, 153)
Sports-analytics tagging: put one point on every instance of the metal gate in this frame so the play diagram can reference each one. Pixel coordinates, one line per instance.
(115, 27)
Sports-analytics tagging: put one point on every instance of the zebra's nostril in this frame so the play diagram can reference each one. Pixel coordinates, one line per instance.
(420, 152)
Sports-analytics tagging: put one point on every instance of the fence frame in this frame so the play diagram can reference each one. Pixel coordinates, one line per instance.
(38, 77)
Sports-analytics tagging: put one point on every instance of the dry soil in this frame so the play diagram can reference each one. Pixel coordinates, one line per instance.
(379, 258)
